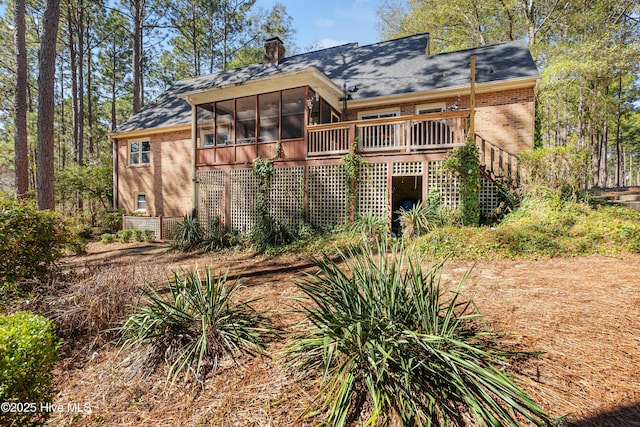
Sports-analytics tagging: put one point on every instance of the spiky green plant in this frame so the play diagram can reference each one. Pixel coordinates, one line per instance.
(193, 323)
(188, 234)
(389, 345)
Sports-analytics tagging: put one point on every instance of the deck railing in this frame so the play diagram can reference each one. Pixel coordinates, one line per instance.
(400, 134)
(497, 161)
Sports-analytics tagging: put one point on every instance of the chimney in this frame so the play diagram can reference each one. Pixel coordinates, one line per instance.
(273, 50)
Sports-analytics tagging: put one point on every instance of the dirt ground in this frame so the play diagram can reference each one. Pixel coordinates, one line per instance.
(583, 314)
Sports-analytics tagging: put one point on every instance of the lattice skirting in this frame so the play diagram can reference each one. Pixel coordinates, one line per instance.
(211, 196)
(326, 195)
(373, 195)
(446, 182)
(489, 196)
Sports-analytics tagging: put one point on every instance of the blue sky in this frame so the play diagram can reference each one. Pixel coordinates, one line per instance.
(331, 22)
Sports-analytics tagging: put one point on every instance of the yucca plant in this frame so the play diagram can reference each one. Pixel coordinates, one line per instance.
(188, 235)
(193, 323)
(388, 345)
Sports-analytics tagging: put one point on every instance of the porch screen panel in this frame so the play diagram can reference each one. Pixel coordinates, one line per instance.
(286, 196)
(243, 192)
(210, 196)
(372, 192)
(269, 112)
(293, 105)
(445, 182)
(204, 125)
(225, 122)
(326, 198)
(246, 120)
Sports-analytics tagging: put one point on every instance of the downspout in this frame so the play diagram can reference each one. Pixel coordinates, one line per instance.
(114, 177)
(472, 100)
(194, 146)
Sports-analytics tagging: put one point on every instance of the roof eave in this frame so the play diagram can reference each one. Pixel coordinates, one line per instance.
(310, 76)
(148, 132)
(516, 83)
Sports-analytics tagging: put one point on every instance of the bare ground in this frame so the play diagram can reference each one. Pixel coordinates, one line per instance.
(582, 313)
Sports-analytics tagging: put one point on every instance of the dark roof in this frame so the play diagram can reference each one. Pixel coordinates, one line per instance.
(387, 68)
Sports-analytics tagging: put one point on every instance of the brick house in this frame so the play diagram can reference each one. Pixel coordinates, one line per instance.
(401, 108)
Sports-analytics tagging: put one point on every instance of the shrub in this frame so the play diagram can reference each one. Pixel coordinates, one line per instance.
(124, 236)
(218, 237)
(96, 303)
(370, 226)
(27, 356)
(268, 232)
(388, 346)
(148, 235)
(107, 238)
(138, 235)
(31, 241)
(188, 235)
(194, 323)
(111, 221)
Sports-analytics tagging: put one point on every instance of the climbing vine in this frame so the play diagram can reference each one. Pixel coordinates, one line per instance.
(353, 163)
(267, 232)
(464, 161)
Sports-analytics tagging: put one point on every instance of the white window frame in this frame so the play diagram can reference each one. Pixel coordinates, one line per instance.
(137, 202)
(376, 114)
(139, 153)
(433, 108)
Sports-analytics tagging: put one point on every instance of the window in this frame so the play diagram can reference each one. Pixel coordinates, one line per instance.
(139, 153)
(437, 107)
(141, 202)
(370, 115)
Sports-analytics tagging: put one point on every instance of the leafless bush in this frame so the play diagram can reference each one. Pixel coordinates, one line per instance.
(98, 301)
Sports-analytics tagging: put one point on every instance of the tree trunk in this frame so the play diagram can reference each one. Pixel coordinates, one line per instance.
(80, 29)
(137, 13)
(21, 142)
(46, 107)
(74, 82)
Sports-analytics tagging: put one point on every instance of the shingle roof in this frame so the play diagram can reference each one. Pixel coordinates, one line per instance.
(383, 69)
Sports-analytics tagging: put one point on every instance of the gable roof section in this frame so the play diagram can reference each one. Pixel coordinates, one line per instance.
(384, 69)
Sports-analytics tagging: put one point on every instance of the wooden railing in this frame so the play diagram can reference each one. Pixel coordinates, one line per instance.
(400, 134)
(497, 161)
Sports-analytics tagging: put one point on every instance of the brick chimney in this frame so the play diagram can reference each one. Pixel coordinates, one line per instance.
(273, 50)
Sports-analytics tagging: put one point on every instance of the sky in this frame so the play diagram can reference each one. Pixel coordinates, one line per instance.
(330, 22)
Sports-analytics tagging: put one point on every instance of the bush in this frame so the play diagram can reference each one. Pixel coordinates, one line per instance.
(124, 236)
(107, 238)
(96, 303)
(27, 356)
(138, 235)
(219, 237)
(388, 346)
(148, 235)
(31, 241)
(194, 323)
(111, 221)
(188, 235)
(268, 232)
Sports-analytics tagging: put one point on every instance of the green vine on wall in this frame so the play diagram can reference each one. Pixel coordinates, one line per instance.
(465, 163)
(353, 163)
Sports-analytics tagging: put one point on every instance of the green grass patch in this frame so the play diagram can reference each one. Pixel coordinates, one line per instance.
(541, 228)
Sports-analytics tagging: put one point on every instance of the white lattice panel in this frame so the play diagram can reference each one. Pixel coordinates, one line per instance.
(488, 196)
(407, 169)
(210, 195)
(243, 189)
(142, 223)
(286, 197)
(327, 199)
(372, 192)
(446, 182)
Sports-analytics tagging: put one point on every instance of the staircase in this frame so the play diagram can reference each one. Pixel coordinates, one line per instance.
(497, 165)
(629, 197)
